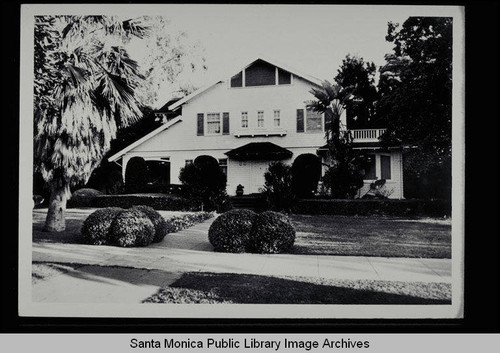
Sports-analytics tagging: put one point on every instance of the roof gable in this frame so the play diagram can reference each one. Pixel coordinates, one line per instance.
(260, 60)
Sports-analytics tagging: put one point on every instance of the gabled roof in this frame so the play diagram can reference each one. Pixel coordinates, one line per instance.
(147, 137)
(273, 62)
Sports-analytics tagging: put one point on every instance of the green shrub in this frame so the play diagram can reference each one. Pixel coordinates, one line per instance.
(83, 197)
(132, 227)
(156, 201)
(231, 230)
(158, 222)
(278, 190)
(271, 233)
(96, 228)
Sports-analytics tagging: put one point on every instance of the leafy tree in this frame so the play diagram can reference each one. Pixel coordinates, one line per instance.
(174, 54)
(355, 72)
(83, 89)
(415, 104)
(344, 175)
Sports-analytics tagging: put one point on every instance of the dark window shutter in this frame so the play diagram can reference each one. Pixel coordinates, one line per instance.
(300, 120)
(225, 123)
(385, 167)
(200, 124)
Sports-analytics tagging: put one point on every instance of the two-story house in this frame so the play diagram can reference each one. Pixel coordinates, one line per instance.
(250, 119)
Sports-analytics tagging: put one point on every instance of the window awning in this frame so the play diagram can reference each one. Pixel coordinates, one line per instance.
(258, 151)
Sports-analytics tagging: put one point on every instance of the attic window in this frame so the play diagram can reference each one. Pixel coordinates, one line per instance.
(260, 74)
(284, 77)
(237, 80)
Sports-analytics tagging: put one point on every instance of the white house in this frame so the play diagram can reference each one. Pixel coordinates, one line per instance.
(248, 120)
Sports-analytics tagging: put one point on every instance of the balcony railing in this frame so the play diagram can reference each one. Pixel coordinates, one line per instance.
(367, 135)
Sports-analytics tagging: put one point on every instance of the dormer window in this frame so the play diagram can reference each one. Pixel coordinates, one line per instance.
(261, 73)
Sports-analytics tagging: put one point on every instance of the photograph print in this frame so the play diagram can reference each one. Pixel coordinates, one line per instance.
(241, 161)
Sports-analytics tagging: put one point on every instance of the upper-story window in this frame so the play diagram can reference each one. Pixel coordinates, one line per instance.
(244, 119)
(313, 121)
(260, 118)
(213, 123)
(277, 121)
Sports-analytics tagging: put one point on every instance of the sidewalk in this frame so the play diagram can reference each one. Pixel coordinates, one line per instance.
(106, 273)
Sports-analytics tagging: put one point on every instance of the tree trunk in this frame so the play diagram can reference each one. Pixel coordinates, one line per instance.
(56, 215)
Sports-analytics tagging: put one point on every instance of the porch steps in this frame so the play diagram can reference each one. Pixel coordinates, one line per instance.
(254, 202)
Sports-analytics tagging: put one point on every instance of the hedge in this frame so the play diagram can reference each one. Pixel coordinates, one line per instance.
(271, 233)
(178, 223)
(157, 201)
(83, 197)
(412, 207)
(230, 231)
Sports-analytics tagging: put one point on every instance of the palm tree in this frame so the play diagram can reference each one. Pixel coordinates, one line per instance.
(343, 177)
(83, 90)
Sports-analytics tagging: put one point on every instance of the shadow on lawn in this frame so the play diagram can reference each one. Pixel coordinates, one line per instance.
(255, 289)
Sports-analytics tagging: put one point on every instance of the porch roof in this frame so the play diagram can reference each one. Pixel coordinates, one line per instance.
(255, 151)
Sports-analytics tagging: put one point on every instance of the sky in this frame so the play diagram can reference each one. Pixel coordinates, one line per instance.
(310, 38)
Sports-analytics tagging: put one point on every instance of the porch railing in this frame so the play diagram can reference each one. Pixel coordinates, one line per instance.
(367, 135)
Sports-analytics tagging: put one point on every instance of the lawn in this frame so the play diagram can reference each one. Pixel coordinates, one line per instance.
(228, 288)
(372, 236)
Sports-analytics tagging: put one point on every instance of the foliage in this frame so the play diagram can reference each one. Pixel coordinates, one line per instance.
(107, 178)
(355, 72)
(96, 229)
(178, 223)
(306, 172)
(271, 233)
(415, 87)
(387, 207)
(278, 188)
(205, 184)
(230, 231)
(157, 219)
(345, 173)
(83, 197)
(174, 54)
(158, 202)
(132, 227)
(135, 175)
(84, 88)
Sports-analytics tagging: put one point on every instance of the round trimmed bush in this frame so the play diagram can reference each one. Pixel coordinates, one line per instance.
(272, 233)
(96, 228)
(158, 222)
(132, 227)
(230, 231)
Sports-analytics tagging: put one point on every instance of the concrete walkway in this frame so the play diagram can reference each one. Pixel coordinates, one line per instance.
(129, 275)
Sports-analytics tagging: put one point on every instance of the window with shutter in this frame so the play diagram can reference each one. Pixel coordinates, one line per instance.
(200, 125)
(300, 120)
(225, 123)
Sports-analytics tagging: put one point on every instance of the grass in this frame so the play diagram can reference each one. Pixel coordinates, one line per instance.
(228, 288)
(372, 236)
